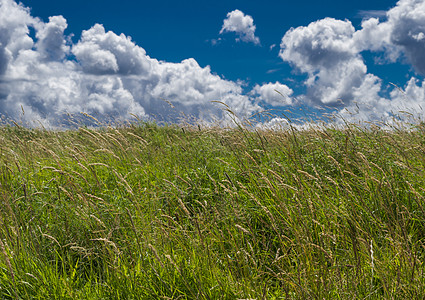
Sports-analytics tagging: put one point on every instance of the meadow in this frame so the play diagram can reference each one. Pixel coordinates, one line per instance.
(142, 211)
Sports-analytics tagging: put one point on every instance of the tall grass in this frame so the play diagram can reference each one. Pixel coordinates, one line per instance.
(148, 212)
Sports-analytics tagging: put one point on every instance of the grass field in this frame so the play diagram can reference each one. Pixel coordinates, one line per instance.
(149, 212)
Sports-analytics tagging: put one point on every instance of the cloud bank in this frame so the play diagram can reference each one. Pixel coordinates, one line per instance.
(110, 77)
(104, 74)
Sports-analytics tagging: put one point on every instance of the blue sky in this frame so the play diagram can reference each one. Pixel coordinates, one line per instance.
(182, 55)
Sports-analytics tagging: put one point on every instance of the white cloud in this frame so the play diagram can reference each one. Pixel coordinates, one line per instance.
(407, 25)
(325, 50)
(101, 52)
(51, 42)
(275, 94)
(371, 37)
(401, 34)
(191, 89)
(329, 51)
(14, 22)
(242, 25)
(322, 44)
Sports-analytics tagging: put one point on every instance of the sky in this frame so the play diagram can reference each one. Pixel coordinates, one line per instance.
(168, 60)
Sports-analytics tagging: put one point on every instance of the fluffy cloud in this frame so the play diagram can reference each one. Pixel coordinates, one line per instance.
(274, 94)
(191, 89)
(101, 52)
(325, 50)
(402, 33)
(242, 25)
(329, 51)
(322, 44)
(14, 21)
(37, 76)
(51, 42)
(103, 74)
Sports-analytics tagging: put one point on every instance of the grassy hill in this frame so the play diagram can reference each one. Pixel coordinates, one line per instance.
(149, 212)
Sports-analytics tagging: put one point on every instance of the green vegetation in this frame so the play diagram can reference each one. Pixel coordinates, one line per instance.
(149, 212)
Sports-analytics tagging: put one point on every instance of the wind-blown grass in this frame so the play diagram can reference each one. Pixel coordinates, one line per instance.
(148, 212)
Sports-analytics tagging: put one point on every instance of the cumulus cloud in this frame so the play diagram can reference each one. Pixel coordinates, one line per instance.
(242, 25)
(101, 52)
(189, 85)
(323, 43)
(51, 42)
(406, 29)
(330, 51)
(14, 22)
(274, 94)
(325, 50)
(400, 35)
(103, 74)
